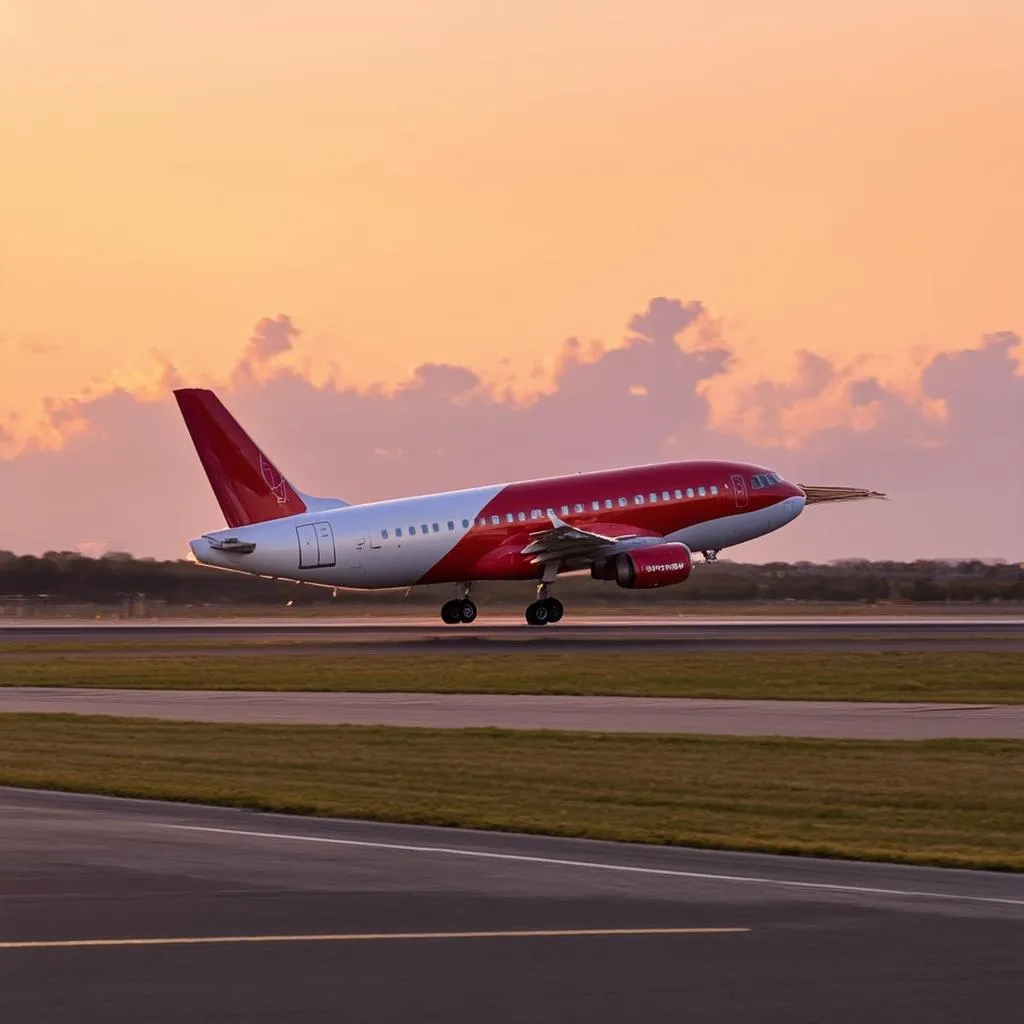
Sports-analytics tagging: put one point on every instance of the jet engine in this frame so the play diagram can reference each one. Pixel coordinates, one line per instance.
(660, 565)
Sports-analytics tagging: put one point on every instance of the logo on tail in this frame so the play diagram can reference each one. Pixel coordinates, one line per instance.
(276, 483)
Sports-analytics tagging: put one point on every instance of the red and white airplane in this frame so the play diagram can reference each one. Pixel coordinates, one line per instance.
(636, 526)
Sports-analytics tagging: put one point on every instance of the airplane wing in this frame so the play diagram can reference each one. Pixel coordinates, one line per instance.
(820, 495)
(563, 542)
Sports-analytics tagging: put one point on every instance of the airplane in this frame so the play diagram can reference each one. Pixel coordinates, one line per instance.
(637, 527)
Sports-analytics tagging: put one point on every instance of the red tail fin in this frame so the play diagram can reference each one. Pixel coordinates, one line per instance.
(247, 484)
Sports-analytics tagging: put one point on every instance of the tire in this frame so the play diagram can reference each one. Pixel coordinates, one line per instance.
(555, 609)
(537, 614)
(466, 612)
(450, 613)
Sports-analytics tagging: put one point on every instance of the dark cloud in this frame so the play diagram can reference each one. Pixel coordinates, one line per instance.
(128, 477)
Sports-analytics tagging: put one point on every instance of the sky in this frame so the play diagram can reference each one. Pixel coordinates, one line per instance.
(438, 243)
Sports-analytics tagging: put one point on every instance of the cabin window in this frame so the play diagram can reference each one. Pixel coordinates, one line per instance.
(495, 520)
(678, 493)
(578, 507)
(437, 527)
(607, 503)
(638, 500)
(565, 510)
(714, 489)
(412, 530)
(689, 492)
(623, 503)
(451, 524)
(482, 521)
(701, 491)
(521, 516)
(398, 531)
(384, 534)
(535, 513)
(653, 497)
(465, 524)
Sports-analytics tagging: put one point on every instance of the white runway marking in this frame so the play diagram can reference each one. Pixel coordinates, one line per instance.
(217, 940)
(598, 866)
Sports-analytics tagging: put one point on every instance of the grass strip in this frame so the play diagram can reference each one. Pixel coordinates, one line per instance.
(954, 803)
(952, 677)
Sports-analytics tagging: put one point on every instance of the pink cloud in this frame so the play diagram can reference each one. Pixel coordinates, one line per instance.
(128, 474)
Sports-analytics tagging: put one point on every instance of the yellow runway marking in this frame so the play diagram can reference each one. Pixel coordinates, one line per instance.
(208, 940)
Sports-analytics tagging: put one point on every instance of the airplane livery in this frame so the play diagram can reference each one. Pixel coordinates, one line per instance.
(637, 527)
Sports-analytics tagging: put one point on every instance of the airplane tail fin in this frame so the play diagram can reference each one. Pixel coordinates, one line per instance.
(248, 486)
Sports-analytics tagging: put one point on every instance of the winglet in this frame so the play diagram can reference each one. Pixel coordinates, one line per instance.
(248, 486)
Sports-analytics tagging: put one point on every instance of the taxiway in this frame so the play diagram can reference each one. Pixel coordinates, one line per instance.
(134, 911)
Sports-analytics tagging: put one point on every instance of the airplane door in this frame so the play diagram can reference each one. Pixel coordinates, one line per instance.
(316, 546)
(325, 544)
(739, 490)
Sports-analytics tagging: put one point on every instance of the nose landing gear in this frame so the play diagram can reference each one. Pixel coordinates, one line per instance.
(545, 609)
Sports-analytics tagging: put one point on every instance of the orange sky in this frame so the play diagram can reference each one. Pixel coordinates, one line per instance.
(466, 181)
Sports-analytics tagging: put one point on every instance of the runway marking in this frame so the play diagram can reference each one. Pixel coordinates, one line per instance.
(450, 851)
(213, 940)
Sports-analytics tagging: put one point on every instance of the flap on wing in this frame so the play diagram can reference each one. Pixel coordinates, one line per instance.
(820, 495)
(565, 541)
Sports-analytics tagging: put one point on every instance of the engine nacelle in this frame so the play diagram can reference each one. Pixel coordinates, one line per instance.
(660, 565)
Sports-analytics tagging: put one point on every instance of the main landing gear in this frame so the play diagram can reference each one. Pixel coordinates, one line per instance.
(460, 610)
(545, 609)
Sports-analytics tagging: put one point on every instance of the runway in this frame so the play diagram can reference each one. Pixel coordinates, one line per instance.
(424, 924)
(503, 635)
(823, 719)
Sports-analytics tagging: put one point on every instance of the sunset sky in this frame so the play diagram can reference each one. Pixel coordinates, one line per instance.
(468, 185)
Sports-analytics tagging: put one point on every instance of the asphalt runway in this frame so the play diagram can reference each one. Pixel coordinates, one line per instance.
(680, 633)
(823, 719)
(130, 911)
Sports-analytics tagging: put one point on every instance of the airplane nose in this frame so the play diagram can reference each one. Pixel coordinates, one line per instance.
(793, 490)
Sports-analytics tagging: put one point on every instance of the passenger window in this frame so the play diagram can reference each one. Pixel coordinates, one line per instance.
(451, 524)
(653, 497)
(622, 503)
(437, 527)
(482, 521)
(465, 524)
(678, 493)
(689, 492)
(423, 529)
(521, 516)
(565, 510)
(384, 534)
(714, 489)
(535, 513)
(495, 520)
(595, 506)
(398, 532)
(665, 496)
(509, 518)
(412, 530)
(701, 491)
(607, 503)
(638, 499)
(577, 507)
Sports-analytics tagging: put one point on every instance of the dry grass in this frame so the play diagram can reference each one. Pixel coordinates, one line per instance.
(947, 802)
(955, 677)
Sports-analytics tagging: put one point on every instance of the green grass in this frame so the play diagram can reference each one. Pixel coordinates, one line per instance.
(955, 677)
(945, 802)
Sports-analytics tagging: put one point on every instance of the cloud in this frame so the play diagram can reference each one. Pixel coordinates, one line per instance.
(126, 471)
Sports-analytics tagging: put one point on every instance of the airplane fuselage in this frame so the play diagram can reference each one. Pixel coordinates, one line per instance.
(481, 533)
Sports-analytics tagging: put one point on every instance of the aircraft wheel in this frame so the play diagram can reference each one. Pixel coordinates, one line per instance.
(538, 614)
(555, 609)
(451, 613)
(467, 610)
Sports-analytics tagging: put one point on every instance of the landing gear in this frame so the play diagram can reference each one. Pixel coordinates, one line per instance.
(710, 555)
(545, 609)
(460, 610)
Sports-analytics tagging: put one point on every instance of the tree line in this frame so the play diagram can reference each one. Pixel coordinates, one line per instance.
(63, 577)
